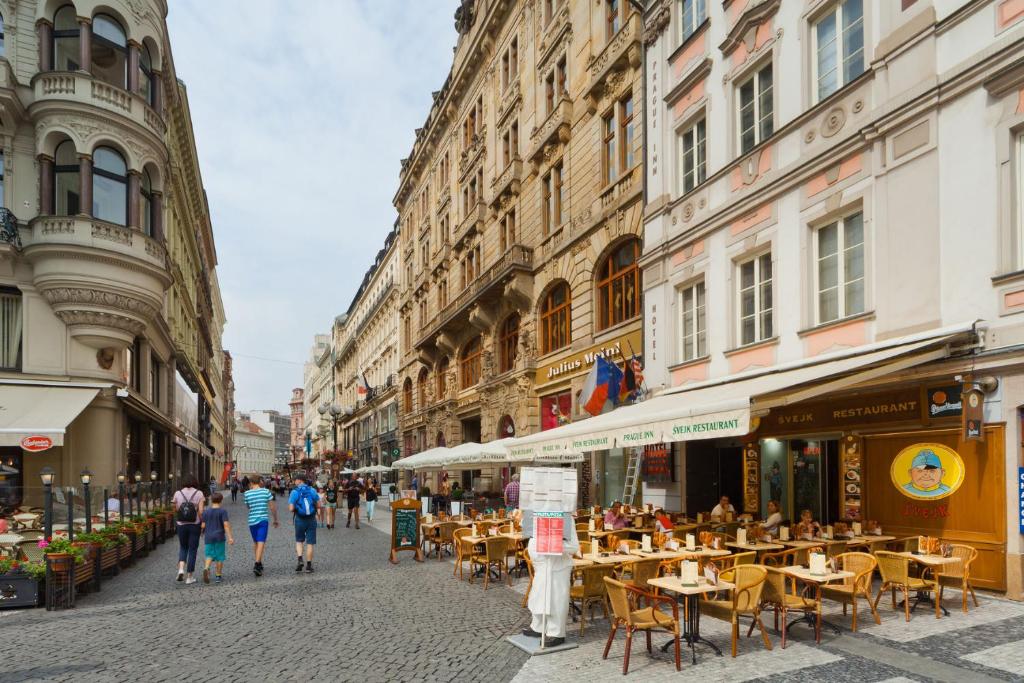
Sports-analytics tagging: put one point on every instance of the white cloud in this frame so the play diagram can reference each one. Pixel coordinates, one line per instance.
(302, 111)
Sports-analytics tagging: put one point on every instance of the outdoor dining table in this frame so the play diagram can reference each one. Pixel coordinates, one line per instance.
(818, 580)
(758, 546)
(581, 562)
(932, 562)
(8, 540)
(610, 558)
(656, 554)
(801, 543)
(691, 608)
(868, 540)
(26, 518)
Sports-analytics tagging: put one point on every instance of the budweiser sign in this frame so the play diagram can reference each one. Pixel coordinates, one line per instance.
(36, 443)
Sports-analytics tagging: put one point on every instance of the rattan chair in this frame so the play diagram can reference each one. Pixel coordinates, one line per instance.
(494, 555)
(958, 574)
(645, 619)
(835, 549)
(782, 602)
(895, 571)
(730, 561)
(749, 580)
(529, 570)
(859, 585)
(640, 572)
(31, 551)
(463, 549)
(584, 527)
(591, 590)
(444, 541)
(630, 543)
(780, 558)
(586, 547)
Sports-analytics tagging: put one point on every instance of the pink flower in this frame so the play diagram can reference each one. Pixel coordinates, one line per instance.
(43, 543)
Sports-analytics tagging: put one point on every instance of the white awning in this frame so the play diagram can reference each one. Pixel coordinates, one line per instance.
(422, 460)
(723, 407)
(40, 410)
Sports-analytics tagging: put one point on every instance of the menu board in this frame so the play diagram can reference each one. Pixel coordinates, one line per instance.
(852, 450)
(751, 479)
(657, 464)
(405, 528)
(549, 529)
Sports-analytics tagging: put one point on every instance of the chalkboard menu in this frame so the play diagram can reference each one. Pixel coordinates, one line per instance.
(658, 467)
(405, 528)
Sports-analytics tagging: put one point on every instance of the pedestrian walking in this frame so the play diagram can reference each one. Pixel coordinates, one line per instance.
(512, 493)
(371, 499)
(331, 496)
(353, 489)
(321, 512)
(234, 490)
(415, 483)
(217, 531)
(304, 503)
(188, 510)
(261, 506)
(213, 486)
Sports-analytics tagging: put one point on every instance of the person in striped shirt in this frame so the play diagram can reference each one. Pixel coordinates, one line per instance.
(260, 502)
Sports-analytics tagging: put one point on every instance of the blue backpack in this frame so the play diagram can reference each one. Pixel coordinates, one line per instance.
(305, 501)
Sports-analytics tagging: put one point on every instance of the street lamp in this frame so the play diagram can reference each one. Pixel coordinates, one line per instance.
(86, 478)
(138, 492)
(120, 494)
(46, 475)
(170, 483)
(152, 487)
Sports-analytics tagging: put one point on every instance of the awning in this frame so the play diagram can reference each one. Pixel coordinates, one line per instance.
(38, 410)
(723, 407)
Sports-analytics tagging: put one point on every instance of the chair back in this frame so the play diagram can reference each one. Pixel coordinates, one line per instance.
(863, 567)
(781, 558)
(643, 571)
(893, 567)
(497, 548)
(835, 549)
(31, 551)
(505, 529)
(631, 543)
(749, 557)
(582, 527)
(618, 596)
(593, 583)
(446, 531)
(749, 580)
(460, 533)
(586, 547)
(774, 590)
(484, 527)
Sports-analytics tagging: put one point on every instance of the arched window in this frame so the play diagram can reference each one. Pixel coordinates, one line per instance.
(506, 427)
(109, 51)
(109, 186)
(147, 80)
(618, 286)
(146, 203)
(440, 439)
(65, 180)
(508, 341)
(554, 318)
(66, 35)
(421, 387)
(407, 395)
(442, 379)
(469, 363)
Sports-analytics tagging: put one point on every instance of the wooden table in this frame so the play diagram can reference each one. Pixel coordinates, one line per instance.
(759, 546)
(580, 562)
(804, 574)
(613, 558)
(932, 562)
(801, 544)
(691, 607)
(656, 554)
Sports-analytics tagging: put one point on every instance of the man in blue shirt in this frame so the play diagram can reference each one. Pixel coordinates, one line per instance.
(260, 502)
(304, 503)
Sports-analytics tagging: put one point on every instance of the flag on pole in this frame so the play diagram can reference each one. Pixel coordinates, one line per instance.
(601, 386)
(363, 388)
(628, 388)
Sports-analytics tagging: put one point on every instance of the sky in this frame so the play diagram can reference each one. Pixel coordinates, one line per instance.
(302, 111)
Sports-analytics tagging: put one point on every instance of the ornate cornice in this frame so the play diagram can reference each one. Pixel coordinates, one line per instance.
(756, 13)
(657, 24)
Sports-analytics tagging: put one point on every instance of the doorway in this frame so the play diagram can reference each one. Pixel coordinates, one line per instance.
(713, 471)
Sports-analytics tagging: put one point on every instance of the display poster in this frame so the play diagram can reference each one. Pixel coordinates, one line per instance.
(550, 527)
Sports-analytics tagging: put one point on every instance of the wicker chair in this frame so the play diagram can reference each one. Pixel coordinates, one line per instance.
(31, 551)
(781, 558)
(584, 527)
(529, 570)
(591, 590)
(31, 534)
(958, 574)
(494, 555)
(730, 561)
(640, 572)
(749, 580)
(895, 571)
(463, 549)
(586, 547)
(629, 542)
(782, 602)
(646, 619)
(863, 567)
(444, 541)
(835, 549)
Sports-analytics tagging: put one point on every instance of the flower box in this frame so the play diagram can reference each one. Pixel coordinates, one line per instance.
(18, 589)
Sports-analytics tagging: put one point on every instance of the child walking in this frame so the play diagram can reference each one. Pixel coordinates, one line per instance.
(217, 528)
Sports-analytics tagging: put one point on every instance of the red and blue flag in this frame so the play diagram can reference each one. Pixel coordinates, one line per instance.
(601, 386)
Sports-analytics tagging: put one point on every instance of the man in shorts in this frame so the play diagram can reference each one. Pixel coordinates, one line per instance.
(260, 502)
(304, 503)
(353, 490)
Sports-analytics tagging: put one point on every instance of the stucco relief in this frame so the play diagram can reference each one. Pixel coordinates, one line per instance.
(102, 319)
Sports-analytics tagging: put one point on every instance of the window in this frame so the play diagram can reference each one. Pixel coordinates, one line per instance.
(109, 186)
(755, 109)
(612, 17)
(109, 51)
(510, 144)
(407, 325)
(692, 331)
(2, 49)
(608, 147)
(550, 7)
(442, 294)
(135, 364)
(839, 44)
(554, 318)
(755, 304)
(693, 155)
(561, 80)
(552, 201)
(510, 64)
(66, 34)
(840, 268)
(618, 286)
(508, 230)
(549, 93)
(469, 363)
(555, 410)
(407, 395)
(147, 79)
(154, 380)
(693, 13)
(423, 314)
(10, 329)
(421, 388)
(3, 201)
(442, 378)
(146, 203)
(626, 134)
(66, 185)
(508, 342)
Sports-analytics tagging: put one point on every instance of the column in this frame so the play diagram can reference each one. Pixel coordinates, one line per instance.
(85, 184)
(85, 44)
(133, 66)
(158, 92)
(45, 185)
(44, 33)
(134, 187)
(158, 216)
(146, 360)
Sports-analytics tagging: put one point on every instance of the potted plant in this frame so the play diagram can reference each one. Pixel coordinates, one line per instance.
(61, 554)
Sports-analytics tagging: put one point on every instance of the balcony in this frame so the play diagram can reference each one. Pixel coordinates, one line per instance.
(105, 281)
(557, 127)
(81, 87)
(510, 100)
(552, 35)
(508, 182)
(473, 151)
(623, 51)
(444, 195)
(472, 223)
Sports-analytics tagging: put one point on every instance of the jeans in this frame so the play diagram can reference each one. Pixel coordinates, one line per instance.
(369, 508)
(188, 545)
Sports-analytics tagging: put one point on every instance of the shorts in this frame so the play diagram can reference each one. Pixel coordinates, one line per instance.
(305, 529)
(216, 551)
(353, 504)
(259, 531)
(332, 506)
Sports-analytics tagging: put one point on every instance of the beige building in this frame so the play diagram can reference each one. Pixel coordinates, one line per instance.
(318, 381)
(109, 305)
(520, 210)
(254, 448)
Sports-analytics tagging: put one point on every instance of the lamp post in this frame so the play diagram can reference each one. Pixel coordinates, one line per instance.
(70, 493)
(152, 487)
(46, 475)
(170, 484)
(86, 478)
(138, 492)
(120, 494)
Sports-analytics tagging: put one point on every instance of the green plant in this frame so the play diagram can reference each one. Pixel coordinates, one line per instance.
(63, 545)
(35, 570)
(457, 494)
(89, 537)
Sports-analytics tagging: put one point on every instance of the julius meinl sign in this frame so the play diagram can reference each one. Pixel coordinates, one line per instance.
(625, 345)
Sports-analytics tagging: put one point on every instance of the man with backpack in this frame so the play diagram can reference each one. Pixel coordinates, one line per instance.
(304, 503)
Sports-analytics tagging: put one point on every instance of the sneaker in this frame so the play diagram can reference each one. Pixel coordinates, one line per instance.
(218, 578)
(190, 580)
(206, 576)
(181, 575)
(309, 567)
(257, 569)
(298, 567)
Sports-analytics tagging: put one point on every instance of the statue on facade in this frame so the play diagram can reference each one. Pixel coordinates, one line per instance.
(464, 16)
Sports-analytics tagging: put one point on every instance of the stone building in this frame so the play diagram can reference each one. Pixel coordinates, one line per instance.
(108, 294)
(520, 212)
(280, 426)
(318, 378)
(254, 449)
(297, 435)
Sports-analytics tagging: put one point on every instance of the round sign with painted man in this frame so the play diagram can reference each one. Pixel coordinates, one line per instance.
(927, 471)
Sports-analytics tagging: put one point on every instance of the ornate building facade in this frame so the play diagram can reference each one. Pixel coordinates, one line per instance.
(520, 208)
(110, 311)
(297, 427)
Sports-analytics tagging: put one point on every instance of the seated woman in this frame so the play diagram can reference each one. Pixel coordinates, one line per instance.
(663, 523)
(771, 524)
(807, 528)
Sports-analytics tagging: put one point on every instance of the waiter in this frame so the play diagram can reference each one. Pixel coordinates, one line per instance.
(551, 599)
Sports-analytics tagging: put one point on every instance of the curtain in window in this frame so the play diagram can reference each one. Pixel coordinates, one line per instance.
(10, 330)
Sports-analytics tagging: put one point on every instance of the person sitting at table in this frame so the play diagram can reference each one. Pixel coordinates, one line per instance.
(663, 523)
(807, 528)
(614, 517)
(771, 525)
(724, 506)
(113, 506)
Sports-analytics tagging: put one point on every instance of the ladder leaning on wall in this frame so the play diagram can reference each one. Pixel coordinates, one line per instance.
(636, 458)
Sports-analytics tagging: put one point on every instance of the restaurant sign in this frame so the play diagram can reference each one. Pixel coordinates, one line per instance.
(927, 471)
(36, 443)
(944, 401)
(614, 350)
(843, 412)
